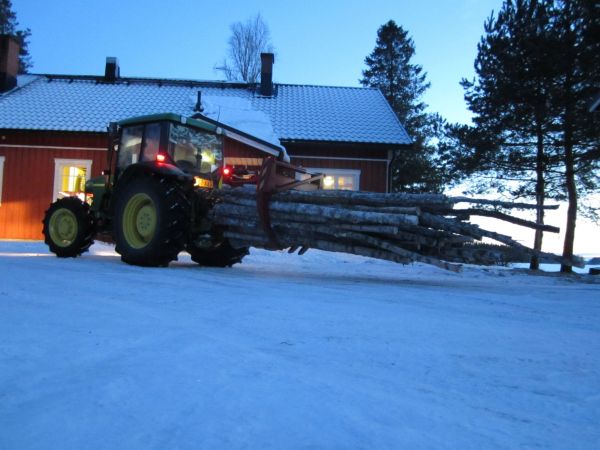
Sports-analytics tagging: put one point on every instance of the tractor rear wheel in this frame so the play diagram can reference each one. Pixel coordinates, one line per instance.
(222, 255)
(68, 227)
(151, 220)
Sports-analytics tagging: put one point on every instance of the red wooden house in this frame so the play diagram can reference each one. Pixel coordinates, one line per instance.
(53, 129)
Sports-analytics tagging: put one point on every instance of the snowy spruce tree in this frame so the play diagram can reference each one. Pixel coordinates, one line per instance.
(10, 25)
(403, 83)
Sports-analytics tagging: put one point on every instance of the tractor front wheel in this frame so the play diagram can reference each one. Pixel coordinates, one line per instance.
(68, 227)
(151, 220)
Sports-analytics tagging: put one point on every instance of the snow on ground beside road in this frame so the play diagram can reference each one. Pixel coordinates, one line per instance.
(323, 350)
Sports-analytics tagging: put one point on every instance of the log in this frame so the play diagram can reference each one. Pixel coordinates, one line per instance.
(226, 215)
(347, 197)
(500, 203)
(499, 215)
(550, 257)
(411, 210)
(306, 211)
(254, 224)
(380, 199)
(396, 227)
(454, 226)
(348, 248)
(372, 241)
(247, 200)
(355, 217)
(389, 232)
(377, 229)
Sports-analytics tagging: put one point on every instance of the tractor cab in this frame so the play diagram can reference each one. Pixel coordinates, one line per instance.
(171, 145)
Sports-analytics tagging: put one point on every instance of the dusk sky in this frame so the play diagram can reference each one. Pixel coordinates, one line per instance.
(316, 42)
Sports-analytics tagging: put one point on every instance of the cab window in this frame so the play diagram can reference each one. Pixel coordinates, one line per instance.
(195, 150)
(131, 143)
(151, 141)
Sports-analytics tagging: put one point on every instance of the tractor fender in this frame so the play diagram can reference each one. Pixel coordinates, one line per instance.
(163, 169)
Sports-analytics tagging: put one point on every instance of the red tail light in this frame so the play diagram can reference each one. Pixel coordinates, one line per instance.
(226, 171)
(160, 157)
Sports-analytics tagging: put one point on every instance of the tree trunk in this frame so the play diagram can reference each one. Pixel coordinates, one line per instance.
(572, 210)
(568, 125)
(540, 188)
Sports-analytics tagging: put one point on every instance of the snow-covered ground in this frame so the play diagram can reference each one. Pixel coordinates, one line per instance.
(319, 351)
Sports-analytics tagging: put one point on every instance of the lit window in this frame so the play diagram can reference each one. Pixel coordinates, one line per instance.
(1, 176)
(329, 182)
(347, 180)
(70, 176)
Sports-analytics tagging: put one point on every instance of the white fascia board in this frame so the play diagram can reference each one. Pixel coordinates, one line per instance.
(252, 143)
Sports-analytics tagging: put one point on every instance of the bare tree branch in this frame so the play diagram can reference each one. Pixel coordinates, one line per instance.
(247, 41)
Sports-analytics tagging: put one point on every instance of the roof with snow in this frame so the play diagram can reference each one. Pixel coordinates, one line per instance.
(296, 112)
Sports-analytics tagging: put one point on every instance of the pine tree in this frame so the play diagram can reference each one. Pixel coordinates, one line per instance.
(403, 84)
(528, 101)
(577, 26)
(513, 117)
(9, 25)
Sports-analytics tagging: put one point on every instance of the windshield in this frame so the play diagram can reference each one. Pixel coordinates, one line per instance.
(195, 151)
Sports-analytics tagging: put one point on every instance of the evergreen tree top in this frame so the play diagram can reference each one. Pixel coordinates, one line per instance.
(403, 83)
(8, 19)
(10, 25)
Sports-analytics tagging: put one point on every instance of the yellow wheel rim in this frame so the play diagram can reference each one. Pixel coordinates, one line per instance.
(139, 220)
(63, 227)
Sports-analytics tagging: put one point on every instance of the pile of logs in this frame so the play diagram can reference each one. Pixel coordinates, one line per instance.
(403, 228)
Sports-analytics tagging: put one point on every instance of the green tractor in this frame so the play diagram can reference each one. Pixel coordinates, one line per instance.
(152, 201)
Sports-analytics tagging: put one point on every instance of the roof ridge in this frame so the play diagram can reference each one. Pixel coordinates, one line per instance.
(147, 80)
(180, 81)
(328, 86)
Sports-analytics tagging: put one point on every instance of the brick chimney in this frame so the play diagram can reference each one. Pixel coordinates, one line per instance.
(266, 74)
(111, 71)
(9, 62)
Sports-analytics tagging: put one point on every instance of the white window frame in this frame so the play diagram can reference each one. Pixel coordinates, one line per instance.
(354, 173)
(60, 163)
(2, 158)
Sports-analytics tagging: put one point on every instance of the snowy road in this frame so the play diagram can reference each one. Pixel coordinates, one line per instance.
(319, 351)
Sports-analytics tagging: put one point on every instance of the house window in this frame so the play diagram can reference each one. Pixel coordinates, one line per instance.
(70, 176)
(343, 179)
(1, 176)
